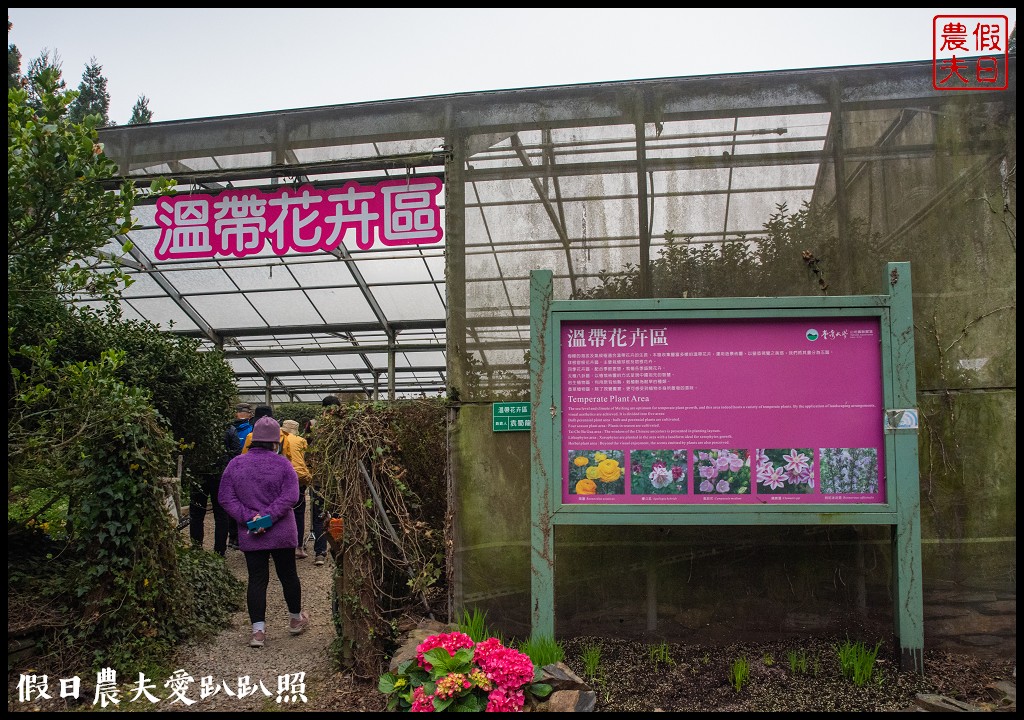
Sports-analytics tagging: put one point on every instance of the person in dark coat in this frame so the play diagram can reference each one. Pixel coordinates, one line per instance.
(262, 483)
(318, 513)
(207, 489)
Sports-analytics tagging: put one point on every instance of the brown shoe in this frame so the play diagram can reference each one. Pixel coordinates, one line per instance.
(300, 554)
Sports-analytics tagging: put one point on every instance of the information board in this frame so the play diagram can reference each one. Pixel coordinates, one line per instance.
(744, 411)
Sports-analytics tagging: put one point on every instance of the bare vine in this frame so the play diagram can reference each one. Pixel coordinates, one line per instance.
(385, 558)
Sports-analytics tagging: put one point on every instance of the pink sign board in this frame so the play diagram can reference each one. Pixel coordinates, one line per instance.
(243, 222)
(719, 412)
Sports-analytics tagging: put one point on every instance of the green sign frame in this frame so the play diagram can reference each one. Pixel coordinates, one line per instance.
(900, 511)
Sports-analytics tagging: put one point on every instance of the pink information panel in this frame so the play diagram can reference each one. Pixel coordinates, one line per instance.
(718, 412)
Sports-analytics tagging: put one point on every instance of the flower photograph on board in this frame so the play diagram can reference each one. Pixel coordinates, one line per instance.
(849, 470)
(721, 472)
(597, 472)
(789, 472)
(657, 472)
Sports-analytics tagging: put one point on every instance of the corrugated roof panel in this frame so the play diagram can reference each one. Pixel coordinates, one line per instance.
(271, 274)
(164, 312)
(283, 308)
(342, 305)
(409, 302)
(227, 311)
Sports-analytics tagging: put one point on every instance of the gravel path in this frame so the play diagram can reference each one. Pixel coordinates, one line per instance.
(229, 660)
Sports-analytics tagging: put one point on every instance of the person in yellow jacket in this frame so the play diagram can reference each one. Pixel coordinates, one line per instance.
(293, 447)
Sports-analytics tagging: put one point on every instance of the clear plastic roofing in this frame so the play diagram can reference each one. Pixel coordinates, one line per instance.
(585, 180)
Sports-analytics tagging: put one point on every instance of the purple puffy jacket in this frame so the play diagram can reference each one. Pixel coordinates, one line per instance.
(261, 482)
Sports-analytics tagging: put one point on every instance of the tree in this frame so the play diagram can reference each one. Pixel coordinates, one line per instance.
(13, 62)
(93, 98)
(92, 402)
(51, 163)
(141, 114)
(48, 66)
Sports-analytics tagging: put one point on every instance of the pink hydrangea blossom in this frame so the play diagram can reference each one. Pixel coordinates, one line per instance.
(503, 700)
(507, 668)
(452, 642)
(421, 701)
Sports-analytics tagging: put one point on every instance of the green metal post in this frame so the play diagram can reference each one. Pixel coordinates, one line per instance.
(544, 415)
(906, 550)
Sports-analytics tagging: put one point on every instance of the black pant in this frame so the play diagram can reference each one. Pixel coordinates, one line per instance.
(317, 518)
(258, 565)
(300, 516)
(224, 527)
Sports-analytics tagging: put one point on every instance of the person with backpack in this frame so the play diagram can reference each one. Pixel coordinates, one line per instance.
(206, 489)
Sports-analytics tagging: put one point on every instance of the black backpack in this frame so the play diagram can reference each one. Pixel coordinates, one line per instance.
(234, 437)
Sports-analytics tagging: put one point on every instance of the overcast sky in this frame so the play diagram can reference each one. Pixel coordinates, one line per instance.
(194, 63)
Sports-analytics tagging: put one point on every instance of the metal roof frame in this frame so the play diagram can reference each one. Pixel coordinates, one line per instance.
(488, 148)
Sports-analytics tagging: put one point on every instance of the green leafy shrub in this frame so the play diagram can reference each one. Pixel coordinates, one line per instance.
(193, 388)
(215, 593)
(89, 400)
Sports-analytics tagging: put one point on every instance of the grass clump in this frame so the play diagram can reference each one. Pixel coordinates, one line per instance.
(591, 657)
(659, 654)
(543, 650)
(797, 662)
(739, 673)
(857, 661)
(475, 625)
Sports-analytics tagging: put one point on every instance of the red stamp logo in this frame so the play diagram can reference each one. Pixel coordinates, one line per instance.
(970, 52)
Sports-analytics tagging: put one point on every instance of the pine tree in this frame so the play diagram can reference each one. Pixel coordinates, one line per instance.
(93, 98)
(38, 68)
(141, 114)
(13, 63)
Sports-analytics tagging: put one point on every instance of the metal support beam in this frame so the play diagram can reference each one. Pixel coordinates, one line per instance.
(643, 217)
(559, 226)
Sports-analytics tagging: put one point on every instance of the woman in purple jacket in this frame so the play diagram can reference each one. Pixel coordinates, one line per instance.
(263, 483)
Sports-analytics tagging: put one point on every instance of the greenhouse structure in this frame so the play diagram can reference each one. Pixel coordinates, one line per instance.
(754, 185)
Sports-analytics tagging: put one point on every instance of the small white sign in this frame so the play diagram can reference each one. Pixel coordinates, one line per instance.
(905, 419)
